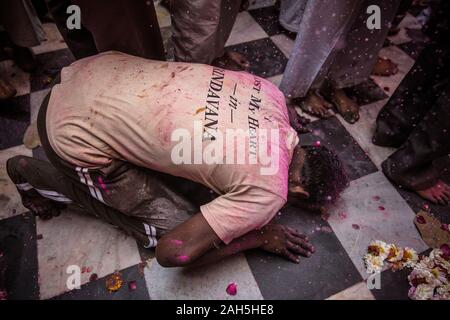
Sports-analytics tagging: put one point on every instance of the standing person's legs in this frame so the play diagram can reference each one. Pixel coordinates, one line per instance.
(24, 29)
(414, 97)
(126, 26)
(322, 26)
(354, 63)
(200, 30)
(80, 41)
(411, 166)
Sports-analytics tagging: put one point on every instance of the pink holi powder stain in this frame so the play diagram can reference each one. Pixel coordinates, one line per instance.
(376, 198)
(132, 285)
(381, 208)
(421, 220)
(176, 242)
(232, 289)
(342, 215)
(356, 226)
(102, 183)
(183, 258)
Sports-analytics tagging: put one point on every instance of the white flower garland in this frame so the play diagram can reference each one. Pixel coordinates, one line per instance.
(430, 277)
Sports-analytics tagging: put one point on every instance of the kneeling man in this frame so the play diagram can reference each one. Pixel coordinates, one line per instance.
(117, 128)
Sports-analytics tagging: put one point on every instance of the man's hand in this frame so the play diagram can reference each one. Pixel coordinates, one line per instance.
(286, 242)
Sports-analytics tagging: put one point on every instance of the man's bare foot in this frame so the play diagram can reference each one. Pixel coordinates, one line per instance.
(41, 207)
(297, 121)
(232, 61)
(315, 105)
(6, 90)
(439, 193)
(31, 138)
(347, 108)
(384, 67)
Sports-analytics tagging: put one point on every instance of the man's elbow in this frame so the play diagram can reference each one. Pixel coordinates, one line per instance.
(170, 258)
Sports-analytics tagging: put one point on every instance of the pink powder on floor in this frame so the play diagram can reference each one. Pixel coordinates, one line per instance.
(232, 289)
(342, 215)
(132, 285)
(376, 198)
(381, 208)
(421, 220)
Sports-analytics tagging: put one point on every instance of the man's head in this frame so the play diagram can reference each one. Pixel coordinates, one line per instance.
(316, 177)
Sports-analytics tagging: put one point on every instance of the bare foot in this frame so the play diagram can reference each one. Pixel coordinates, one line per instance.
(232, 61)
(347, 108)
(315, 105)
(31, 138)
(438, 194)
(40, 206)
(6, 90)
(384, 67)
(297, 121)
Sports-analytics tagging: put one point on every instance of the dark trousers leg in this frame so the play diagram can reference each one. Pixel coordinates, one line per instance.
(414, 97)
(126, 26)
(80, 42)
(43, 179)
(411, 166)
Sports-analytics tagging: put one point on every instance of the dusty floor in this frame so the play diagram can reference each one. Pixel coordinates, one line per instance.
(44, 250)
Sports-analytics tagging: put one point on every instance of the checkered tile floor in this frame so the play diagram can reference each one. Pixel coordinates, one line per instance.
(39, 252)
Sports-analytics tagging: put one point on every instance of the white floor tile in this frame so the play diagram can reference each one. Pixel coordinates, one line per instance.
(245, 29)
(162, 15)
(371, 209)
(404, 62)
(357, 292)
(36, 99)
(9, 197)
(284, 43)
(76, 239)
(54, 41)
(209, 282)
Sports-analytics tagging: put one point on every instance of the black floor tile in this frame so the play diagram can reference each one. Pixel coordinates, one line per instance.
(332, 134)
(412, 48)
(268, 18)
(96, 290)
(366, 92)
(393, 285)
(49, 65)
(327, 272)
(19, 253)
(266, 59)
(14, 120)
